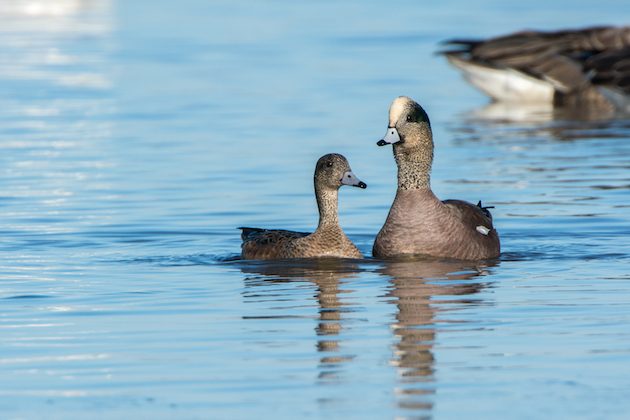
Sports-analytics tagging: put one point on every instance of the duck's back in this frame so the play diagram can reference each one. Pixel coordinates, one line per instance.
(478, 238)
(264, 244)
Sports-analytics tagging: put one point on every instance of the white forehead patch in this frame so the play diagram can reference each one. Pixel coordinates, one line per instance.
(397, 108)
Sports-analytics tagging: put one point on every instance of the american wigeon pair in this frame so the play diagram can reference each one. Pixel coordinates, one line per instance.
(418, 222)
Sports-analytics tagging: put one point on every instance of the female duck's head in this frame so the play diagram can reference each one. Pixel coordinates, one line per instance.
(333, 170)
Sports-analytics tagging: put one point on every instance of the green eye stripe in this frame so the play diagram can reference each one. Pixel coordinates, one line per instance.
(417, 114)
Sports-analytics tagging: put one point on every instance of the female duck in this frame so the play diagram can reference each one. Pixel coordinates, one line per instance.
(331, 172)
(418, 222)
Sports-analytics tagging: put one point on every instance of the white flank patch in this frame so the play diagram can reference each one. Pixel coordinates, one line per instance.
(483, 230)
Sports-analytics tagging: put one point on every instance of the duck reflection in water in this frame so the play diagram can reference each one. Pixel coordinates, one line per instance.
(328, 275)
(421, 289)
(505, 122)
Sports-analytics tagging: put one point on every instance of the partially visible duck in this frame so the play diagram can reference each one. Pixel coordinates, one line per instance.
(571, 68)
(419, 223)
(331, 172)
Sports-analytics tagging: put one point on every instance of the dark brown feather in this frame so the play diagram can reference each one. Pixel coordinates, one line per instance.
(610, 68)
(266, 243)
(470, 214)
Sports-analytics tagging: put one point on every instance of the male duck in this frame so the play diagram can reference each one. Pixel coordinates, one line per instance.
(418, 222)
(585, 68)
(331, 172)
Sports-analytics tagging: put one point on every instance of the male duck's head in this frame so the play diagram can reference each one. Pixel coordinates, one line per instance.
(409, 125)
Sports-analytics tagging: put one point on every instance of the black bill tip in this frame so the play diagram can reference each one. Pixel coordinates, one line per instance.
(381, 143)
(362, 185)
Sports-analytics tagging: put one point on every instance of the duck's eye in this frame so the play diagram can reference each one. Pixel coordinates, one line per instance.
(409, 118)
(329, 164)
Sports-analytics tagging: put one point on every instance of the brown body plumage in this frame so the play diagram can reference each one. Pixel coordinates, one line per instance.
(419, 223)
(571, 68)
(331, 172)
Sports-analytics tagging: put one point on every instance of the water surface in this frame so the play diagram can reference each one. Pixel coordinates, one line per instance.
(136, 137)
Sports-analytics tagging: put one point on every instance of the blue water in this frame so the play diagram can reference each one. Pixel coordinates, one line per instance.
(136, 136)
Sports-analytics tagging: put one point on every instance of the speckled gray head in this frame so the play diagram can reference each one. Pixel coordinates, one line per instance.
(333, 171)
(402, 112)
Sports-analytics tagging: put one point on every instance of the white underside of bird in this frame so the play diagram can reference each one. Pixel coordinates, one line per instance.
(512, 86)
(505, 85)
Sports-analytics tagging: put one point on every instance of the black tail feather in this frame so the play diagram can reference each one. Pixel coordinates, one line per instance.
(485, 210)
(246, 231)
